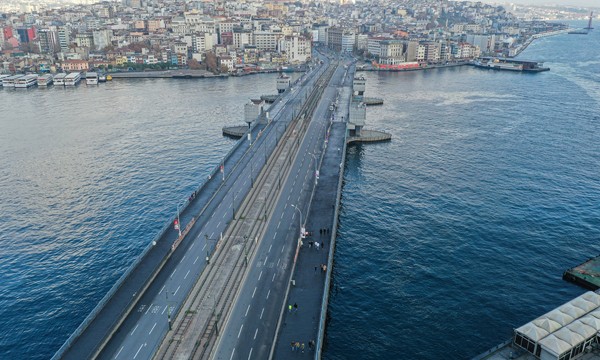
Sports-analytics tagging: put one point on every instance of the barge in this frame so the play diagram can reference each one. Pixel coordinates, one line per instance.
(509, 64)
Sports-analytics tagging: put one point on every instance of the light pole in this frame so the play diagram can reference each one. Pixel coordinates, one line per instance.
(316, 170)
(208, 251)
(300, 212)
(178, 227)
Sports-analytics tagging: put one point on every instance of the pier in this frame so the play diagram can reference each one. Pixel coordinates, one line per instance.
(586, 274)
(244, 240)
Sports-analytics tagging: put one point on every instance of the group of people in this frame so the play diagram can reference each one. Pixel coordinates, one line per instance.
(298, 346)
(323, 268)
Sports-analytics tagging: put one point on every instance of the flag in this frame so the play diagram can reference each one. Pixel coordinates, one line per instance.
(176, 224)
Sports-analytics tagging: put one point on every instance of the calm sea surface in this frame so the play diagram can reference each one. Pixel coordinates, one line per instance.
(451, 235)
(459, 229)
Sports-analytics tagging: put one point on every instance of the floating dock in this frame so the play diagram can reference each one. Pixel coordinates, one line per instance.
(269, 98)
(369, 136)
(369, 101)
(236, 131)
(586, 274)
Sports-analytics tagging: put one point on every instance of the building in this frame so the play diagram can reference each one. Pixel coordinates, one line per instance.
(334, 38)
(297, 48)
(102, 38)
(75, 65)
(266, 40)
(48, 41)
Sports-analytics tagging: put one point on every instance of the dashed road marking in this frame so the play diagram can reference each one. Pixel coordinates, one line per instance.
(247, 310)
(268, 293)
(119, 351)
(254, 292)
(197, 258)
(240, 332)
(134, 329)
(152, 329)
(186, 275)
(176, 290)
(273, 279)
(259, 275)
(261, 313)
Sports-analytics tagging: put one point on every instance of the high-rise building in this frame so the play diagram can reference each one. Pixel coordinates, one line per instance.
(64, 38)
(48, 41)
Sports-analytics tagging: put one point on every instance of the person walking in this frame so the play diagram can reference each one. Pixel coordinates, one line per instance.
(293, 345)
(295, 307)
(289, 307)
(302, 348)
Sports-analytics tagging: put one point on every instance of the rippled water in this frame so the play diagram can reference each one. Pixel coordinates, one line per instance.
(459, 229)
(88, 176)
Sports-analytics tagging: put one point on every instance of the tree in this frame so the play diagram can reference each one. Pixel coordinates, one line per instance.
(193, 64)
(211, 62)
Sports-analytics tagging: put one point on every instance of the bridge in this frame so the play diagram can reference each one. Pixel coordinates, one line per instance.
(217, 280)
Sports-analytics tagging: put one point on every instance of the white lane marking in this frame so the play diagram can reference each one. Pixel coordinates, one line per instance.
(165, 309)
(269, 293)
(161, 289)
(278, 225)
(265, 263)
(173, 272)
(270, 246)
(254, 292)
(247, 310)
(240, 333)
(134, 329)
(204, 247)
(282, 248)
(261, 313)
(176, 290)
(152, 329)
(182, 258)
(282, 215)
(119, 351)
(191, 246)
(213, 233)
(293, 215)
(218, 224)
(250, 355)
(185, 277)
(233, 352)
(288, 197)
(278, 261)
(213, 214)
(273, 279)
(224, 215)
(149, 307)
(255, 333)
(229, 206)
(274, 235)
(136, 354)
(259, 275)
(196, 258)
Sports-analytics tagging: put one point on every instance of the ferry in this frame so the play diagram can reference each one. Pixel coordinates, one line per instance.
(72, 79)
(59, 79)
(45, 80)
(2, 77)
(91, 78)
(26, 81)
(509, 64)
(9, 82)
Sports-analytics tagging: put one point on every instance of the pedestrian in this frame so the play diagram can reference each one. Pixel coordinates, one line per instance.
(289, 307)
(293, 346)
(295, 307)
(315, 269)
(317, 245)
(297, 345)
(302, 347)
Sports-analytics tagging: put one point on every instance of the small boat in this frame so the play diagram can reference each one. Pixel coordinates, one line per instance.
(108, 77)
(101, 77)
(59, 79)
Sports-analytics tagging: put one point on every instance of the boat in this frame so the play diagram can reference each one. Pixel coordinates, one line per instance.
(109, 77)
(26, 81)
(45, 80)
(91, 78)
(2, 77)
(101, 77)
(59, 79)
(509, 64)
(9, 82)
(579, 32)
(72, 79)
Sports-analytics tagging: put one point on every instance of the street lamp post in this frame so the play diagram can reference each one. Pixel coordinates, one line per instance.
(178, 222)
(300, 212)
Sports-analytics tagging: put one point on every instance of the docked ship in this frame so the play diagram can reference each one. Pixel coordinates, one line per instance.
(59, 79)
(509, 64)
(72, 79)
(26, 81)
(45, 80)
(10, 81)
(2, 77)
(91, 78)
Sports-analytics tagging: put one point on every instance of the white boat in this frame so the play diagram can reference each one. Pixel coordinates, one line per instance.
(2, 77)
(26, 81)
(45, 80)
(9, 82)
(59, 79)
(91, 78)
(101, 77)
(72, 79)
